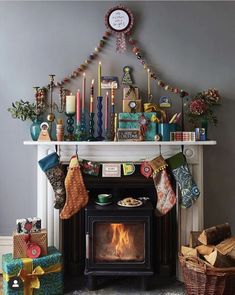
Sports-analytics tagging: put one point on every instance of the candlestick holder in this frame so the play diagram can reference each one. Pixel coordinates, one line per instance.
(99, 119)
(83, 126)
(112, 131)
(70, 128)
(91, 127)
(106, 135)
(78, 132)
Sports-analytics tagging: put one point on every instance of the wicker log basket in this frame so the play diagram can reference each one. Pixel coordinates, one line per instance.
(201, 278)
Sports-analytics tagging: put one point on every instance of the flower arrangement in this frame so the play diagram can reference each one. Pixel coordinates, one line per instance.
(23, 110)
(200, 108)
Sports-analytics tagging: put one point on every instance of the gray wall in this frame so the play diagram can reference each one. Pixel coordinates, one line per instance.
(191, 44)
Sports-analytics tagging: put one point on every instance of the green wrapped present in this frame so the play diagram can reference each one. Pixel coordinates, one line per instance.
(146, 122)
(26, 276)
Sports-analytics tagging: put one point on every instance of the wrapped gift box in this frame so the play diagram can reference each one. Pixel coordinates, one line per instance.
(127, 106)
(134, 121)
(131, 93)
(47, 278)
(28, 225)
(20, 246)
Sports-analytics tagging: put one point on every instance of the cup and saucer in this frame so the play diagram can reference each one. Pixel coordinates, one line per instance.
(104, 199)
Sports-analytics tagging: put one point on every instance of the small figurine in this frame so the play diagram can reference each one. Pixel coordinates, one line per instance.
(127, 76)
(44, 134)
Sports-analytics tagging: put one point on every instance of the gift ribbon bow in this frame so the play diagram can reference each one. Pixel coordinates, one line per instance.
(153, 107)
(30, 276)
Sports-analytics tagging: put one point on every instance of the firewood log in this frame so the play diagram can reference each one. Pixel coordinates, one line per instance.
(231, 254)
(226, 246)
(205, 250)
(217, 259)
(187, 251)
(215, 234)
(193, 239)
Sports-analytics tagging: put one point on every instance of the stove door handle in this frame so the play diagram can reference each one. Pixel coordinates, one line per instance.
(87, 245)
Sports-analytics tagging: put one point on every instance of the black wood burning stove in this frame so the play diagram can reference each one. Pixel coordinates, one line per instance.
(119, 241)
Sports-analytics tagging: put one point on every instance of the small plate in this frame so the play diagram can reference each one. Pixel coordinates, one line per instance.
(103, 204)
(140, 203)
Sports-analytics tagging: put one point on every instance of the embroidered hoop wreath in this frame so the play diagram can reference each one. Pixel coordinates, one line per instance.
(119, 20)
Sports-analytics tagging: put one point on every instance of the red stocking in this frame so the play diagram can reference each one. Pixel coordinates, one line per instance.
(166, 198)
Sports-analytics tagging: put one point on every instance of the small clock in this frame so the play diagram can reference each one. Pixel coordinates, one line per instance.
(132, 104)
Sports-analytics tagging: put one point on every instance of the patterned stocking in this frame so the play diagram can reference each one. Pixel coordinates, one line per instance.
(188, 188)
(77, 196)
(56, 176)
(165, 193)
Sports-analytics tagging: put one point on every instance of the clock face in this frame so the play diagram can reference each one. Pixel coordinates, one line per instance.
(132, 104)
(119, 20)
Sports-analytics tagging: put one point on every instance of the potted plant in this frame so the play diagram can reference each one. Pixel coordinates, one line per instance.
(200, 110)
(25, 110)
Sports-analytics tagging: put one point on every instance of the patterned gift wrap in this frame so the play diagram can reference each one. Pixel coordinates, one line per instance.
(40, 276)
(20, 246)
(131, 93)
(133, 121)
(28, 225)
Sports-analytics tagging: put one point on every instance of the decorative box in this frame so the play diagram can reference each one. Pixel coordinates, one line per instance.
(28, 225)
(131, 106)
(47, 275)
(131, 93)
(20, 243)
(145, 121)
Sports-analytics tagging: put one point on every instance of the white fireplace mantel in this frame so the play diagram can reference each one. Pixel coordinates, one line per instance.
(187, 219)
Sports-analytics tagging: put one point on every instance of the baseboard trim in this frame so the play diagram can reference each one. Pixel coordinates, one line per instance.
(6, 243)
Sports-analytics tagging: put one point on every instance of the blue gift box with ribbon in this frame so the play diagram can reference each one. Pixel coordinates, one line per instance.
(26, 276)
(146, 122)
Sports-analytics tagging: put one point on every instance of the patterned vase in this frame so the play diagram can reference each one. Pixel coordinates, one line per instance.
(35, 129)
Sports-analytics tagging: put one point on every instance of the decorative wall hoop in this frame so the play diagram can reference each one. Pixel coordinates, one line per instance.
(119, 20)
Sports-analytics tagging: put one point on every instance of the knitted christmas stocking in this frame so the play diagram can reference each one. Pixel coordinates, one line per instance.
(56, 176)
(77, 196)
(165, 193)
(188, 188)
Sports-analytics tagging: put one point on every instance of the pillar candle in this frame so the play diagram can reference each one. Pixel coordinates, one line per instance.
(83, 92)
(70, 106)
(106, 111)
(92, 97)
(78, 107)
(99, 79)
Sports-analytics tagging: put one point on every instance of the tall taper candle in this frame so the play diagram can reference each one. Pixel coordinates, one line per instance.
(106, 110)
(92, 97)
(78, 107)
(99, 79)
(112, 97)
(83, 92)
(149, 90)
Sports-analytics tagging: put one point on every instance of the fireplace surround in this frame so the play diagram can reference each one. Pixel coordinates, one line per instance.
(187, 220)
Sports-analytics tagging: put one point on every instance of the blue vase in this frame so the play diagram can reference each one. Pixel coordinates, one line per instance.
(35, 129)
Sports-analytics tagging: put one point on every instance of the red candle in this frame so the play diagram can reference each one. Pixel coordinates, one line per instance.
(78, 107)
(83, 92)
(106, 111)
(92, 97)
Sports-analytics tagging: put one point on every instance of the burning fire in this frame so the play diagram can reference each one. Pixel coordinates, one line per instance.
(121, 239)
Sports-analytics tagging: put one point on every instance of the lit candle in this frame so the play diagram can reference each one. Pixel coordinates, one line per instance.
(112, 97)
(70, 106)
(83, 92)
(99, 79)
(78, 107)
(92, 97)
(106, 110)
(149, 91)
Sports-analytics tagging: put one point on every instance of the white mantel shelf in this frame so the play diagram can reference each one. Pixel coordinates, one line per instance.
(120, 143)
(121, 151)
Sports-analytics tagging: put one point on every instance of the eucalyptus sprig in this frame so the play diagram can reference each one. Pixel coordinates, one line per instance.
(23, 110)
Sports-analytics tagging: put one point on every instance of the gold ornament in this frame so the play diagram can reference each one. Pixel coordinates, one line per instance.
(50, 117)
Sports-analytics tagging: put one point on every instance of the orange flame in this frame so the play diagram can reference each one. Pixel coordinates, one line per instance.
(121, 238)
